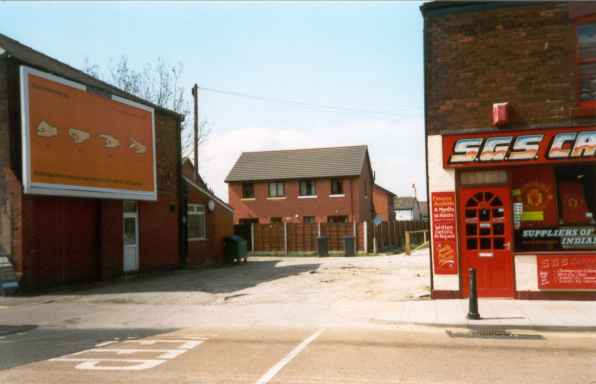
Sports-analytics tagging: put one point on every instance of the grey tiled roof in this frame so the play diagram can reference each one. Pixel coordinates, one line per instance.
(299, 164)
(12, 48)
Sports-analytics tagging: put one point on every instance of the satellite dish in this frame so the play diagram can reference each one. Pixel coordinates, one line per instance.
(211, 205)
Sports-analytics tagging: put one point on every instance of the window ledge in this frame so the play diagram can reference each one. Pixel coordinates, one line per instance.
(338, 195)
(276, 198)
(196, 239)
(308, 197)
(248, 199)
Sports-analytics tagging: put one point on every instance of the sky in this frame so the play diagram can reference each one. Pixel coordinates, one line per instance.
(359, 57)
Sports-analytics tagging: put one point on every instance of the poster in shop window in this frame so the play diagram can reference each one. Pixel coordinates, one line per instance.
(443, 233)
(79, 143)
(567, 272)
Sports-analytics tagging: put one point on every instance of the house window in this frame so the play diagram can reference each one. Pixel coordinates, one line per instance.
(337, 187)
(307, 188)
(308, 219)
(276, 189)
(248, 191)
(337, 219)
(196, 222)
(275, 220)
(586, 61)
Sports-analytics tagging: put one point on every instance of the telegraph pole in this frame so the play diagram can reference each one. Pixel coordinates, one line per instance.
(195, 95)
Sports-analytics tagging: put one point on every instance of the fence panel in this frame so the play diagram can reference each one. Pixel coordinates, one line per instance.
(335, 233)
(269, 237)
(302, 237)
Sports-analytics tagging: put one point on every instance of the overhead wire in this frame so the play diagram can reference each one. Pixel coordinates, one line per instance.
(329, 108)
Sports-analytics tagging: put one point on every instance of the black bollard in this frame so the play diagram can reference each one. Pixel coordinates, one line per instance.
(473, 306)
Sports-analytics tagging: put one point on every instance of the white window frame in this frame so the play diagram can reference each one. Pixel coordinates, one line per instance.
(314, 189)
(196, 210)
(276, 185)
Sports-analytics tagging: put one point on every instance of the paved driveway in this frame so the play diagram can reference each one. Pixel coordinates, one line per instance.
(265, 280)
(265, 291)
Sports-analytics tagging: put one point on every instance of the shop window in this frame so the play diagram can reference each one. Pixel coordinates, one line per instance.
(248, 191)
(307, 188)
(554, 208)
(276, 189)
(196, 223)
(337, 187)
(586, 62)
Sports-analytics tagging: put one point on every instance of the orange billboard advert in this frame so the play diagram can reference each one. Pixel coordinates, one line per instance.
(77, 143)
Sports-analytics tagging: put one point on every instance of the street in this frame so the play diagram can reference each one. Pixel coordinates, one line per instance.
(256, 355)
(280, 320)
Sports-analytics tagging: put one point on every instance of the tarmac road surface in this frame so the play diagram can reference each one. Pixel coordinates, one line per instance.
(335, 355)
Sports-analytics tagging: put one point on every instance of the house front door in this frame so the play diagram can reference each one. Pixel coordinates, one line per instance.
(485, 233)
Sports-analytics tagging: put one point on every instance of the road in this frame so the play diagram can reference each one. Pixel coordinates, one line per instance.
(274, 320)
(253, 355)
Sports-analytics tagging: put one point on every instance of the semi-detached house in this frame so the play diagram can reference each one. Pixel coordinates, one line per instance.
(302, 186)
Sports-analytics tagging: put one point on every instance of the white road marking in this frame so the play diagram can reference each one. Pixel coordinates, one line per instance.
(185, 344)
(93, 363)
(165, 353)
(105, 343)
(283, 362)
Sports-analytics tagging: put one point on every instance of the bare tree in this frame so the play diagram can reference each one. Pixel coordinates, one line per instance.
(159, 83)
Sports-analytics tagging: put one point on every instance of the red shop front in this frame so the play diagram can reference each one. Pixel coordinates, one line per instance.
(521, 213)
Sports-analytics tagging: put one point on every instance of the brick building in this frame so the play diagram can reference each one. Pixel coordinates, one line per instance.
(383, 203)
(302, 186)
(209, 220)
(510, 105)
(89, 227)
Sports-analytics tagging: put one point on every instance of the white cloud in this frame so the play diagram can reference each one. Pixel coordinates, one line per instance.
(396, 149)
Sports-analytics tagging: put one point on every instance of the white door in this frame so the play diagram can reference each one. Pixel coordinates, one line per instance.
(131, 237)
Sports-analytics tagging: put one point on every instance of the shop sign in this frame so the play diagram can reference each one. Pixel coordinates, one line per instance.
(567, 272)
(562, 238)
(444, 233)
(78, 143)
(521, 147)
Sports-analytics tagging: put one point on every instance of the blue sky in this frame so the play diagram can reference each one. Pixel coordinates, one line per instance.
(365, 56)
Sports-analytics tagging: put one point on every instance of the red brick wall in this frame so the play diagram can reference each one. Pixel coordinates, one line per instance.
(521, 54)
(383, 203)
(364, 190)
(261, 207)
(111, 247)
(219, 225)
(158, 233)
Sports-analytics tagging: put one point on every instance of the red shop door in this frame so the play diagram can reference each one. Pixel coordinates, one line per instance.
(485, 230)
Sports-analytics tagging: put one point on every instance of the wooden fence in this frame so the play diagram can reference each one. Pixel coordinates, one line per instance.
(291, 238)
(390, 235)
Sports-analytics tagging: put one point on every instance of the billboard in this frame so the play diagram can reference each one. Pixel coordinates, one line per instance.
(78, 143)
